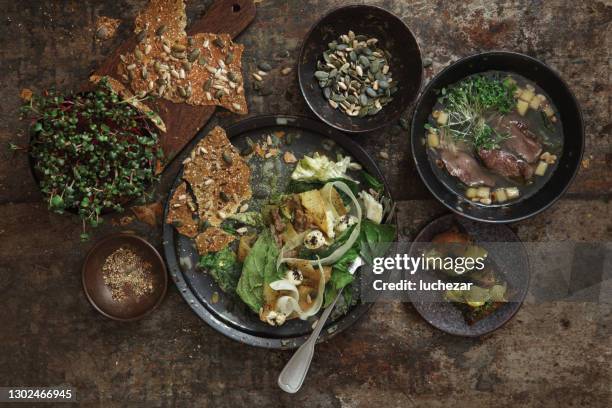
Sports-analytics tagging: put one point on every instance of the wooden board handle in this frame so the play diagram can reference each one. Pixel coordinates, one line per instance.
(225, 16)
(182, 120)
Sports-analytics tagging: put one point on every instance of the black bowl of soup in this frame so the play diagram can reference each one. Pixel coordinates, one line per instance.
(497, 136)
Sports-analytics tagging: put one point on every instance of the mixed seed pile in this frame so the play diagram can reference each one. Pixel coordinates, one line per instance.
(126, 273)
(355, 75)
(203, 69)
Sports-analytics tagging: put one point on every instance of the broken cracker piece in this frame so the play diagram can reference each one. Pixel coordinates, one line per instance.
(204, 69)
(181, 211)
(213, 239)
(162, 18)
(219, 177)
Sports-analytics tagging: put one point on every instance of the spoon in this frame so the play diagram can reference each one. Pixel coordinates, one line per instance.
(293, 375)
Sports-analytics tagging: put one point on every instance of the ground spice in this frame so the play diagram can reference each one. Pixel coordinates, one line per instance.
(127, 274)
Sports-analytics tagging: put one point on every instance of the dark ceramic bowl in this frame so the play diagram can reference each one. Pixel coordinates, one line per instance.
(393, 35)
(570, 115)
(99, 295)
(505, 250)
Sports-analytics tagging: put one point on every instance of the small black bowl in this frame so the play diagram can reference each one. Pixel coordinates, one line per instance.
(570, 115)
(393, 35)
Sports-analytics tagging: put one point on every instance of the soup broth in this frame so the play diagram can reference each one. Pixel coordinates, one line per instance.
(494, 138)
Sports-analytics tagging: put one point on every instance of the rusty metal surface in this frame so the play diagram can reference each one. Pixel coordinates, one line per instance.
(554, 354)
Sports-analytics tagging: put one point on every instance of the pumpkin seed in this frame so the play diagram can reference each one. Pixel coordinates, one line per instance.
(193, 55)
(321, 75)
(264, 66)
(219, 42)
(206, 86)
(142, 34)
(227, 157)
(160, 30)
(354, 75)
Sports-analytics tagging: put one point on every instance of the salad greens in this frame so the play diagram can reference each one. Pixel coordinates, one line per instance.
(374, 240)
(320, 168)
(259, 268)
(223, 267)
(308, 238)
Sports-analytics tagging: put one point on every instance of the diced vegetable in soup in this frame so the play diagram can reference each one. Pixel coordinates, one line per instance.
(494, 137)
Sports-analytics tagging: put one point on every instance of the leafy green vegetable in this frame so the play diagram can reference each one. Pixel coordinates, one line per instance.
(92, 151)
(373, 182)
(259, 269)
(223, 267)
(251, 218)
(340, 276)
(320, 168)
(374, 240)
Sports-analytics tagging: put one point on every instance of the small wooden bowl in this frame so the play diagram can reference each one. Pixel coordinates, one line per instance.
(99, 294)
(393, 35)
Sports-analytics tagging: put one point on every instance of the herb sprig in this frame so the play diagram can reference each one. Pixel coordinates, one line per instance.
(92, 151)
(468, 103)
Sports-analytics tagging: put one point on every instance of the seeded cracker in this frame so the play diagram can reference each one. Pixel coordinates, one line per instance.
(180, 213)
(218, 176)
(204, 69)
(163, 17)
(213, 240)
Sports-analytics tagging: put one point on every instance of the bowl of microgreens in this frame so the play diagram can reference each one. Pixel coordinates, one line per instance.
(91, 152)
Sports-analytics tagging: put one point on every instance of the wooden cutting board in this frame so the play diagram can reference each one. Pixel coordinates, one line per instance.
(182, 120)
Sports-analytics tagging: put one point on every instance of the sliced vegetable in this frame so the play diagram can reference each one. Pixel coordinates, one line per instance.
(373, 208)
(289, 304)
(340, 251)
(541, 168)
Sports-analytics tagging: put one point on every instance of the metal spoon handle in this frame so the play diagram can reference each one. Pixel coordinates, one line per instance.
(293, 375)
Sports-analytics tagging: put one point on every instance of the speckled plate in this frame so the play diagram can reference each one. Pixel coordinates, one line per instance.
(510, 260)
(227, 313)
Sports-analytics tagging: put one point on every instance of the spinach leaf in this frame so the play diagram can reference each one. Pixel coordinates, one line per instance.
(223, 267)
(340, 276)
(374, 239)
(259, 269)
(373, 182)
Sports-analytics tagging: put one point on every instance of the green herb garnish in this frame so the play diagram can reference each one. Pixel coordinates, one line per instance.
(467, 104)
